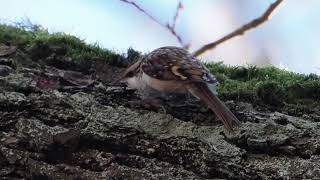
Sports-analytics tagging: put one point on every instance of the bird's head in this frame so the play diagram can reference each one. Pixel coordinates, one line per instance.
(130, 74)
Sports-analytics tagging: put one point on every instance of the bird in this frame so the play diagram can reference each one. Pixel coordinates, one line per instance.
(172, 69)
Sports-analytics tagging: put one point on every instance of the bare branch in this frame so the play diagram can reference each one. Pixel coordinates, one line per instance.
(240, 31)
(175, 18)
(142, 10)
(170, 28)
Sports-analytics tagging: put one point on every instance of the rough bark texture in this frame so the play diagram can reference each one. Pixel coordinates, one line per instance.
(61, 124)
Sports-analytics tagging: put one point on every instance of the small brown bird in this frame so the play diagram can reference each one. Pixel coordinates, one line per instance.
(174, 70)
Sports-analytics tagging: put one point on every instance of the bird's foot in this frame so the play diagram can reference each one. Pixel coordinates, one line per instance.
(149, 103)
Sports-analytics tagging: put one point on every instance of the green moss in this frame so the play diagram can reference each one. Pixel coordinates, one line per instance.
(271, 92)
(268, 85)
(41, 44)
(14, 35)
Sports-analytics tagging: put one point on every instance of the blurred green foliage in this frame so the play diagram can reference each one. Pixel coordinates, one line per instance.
(268, 85)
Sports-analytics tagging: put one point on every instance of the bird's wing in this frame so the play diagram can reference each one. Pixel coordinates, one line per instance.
(173, 63)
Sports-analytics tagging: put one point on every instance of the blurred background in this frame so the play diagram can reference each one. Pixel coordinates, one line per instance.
(289, 40)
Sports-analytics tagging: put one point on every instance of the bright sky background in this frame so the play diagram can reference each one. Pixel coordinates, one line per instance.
(289, 40)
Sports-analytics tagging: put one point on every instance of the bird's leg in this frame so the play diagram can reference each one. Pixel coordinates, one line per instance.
(150, 100)
(191, 100)
(181, 100)
(154, 104)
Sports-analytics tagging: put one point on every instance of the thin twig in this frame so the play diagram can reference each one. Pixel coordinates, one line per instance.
(170, 28)
(142, 10)
(175, 18)
(240, 31)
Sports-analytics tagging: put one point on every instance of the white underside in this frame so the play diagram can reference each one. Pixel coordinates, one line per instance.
(145, 81)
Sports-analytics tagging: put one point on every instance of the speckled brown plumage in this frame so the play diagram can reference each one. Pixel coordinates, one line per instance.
(173, 63)
(174, 70)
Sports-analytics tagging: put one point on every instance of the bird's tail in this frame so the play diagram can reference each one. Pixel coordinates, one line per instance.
(202, 91)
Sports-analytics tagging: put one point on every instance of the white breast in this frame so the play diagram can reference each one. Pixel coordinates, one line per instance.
(136, 83)
(145, 82)
(164, 86)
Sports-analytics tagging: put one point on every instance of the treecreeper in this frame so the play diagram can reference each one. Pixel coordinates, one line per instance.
(174, 70)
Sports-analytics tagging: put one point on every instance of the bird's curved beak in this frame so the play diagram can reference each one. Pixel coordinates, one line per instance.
(121, 79)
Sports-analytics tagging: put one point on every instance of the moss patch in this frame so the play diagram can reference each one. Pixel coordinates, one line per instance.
(271, 86)
(40, 44)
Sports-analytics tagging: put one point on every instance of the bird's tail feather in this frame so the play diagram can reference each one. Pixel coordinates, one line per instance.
(202, 91)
